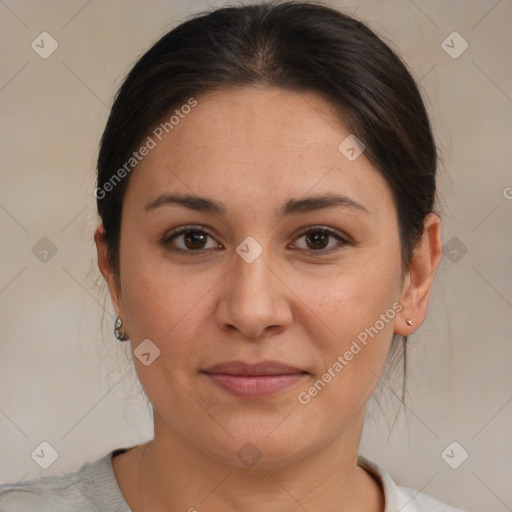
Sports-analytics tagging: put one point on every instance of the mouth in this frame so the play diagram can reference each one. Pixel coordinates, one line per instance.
(256, 380)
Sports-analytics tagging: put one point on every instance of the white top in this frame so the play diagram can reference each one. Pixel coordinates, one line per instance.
(94, 488)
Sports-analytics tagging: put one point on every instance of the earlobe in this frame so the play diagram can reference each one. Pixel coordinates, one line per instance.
(420, 278)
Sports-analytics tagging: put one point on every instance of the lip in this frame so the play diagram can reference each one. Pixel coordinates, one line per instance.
(254, 380)
(240, 368)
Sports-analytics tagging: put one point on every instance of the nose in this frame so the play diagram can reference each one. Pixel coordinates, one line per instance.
(254, 298)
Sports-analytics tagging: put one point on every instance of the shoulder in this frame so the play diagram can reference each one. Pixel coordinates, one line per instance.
(403, 498)
(40, 494)
(90, 488)
(54, 493)
(415, 501)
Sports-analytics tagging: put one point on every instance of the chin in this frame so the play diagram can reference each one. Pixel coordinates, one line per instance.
(254, 448)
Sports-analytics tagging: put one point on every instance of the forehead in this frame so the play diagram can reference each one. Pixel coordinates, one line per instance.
(255, 143)
(261, 123)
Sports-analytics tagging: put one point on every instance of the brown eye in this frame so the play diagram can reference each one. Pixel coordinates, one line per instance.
(317, 241)
(190, 240)
(194, 240)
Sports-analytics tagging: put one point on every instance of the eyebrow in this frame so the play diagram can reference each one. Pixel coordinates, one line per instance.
(291, 207)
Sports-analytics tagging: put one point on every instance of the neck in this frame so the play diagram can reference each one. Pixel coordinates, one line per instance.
(175, 476)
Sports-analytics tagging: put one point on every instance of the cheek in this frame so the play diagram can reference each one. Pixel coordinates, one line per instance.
(158, 305)
(352, 355)
(355, 311)
(349, 300)
(164, 302)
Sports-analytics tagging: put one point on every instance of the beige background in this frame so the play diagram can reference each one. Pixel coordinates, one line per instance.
(64, 379)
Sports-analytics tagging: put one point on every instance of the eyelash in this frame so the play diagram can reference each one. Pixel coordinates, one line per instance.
(166, 240)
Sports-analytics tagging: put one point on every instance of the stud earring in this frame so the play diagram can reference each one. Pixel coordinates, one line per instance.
(120, 335)
(409, 322)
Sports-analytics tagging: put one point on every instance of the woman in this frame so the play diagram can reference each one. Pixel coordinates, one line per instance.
(266, 188)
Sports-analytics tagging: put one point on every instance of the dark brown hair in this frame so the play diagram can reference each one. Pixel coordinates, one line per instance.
(294, 46)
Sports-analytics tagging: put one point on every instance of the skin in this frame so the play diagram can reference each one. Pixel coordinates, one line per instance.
(253, 149)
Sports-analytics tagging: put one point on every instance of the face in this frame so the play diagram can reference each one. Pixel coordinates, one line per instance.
(267, 269)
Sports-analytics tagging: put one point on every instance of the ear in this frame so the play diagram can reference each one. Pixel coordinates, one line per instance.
(420, 277)
(105, 268)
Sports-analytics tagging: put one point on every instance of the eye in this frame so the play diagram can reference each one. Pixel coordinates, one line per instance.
(191, 239)
(317, 240)
(194, 240)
